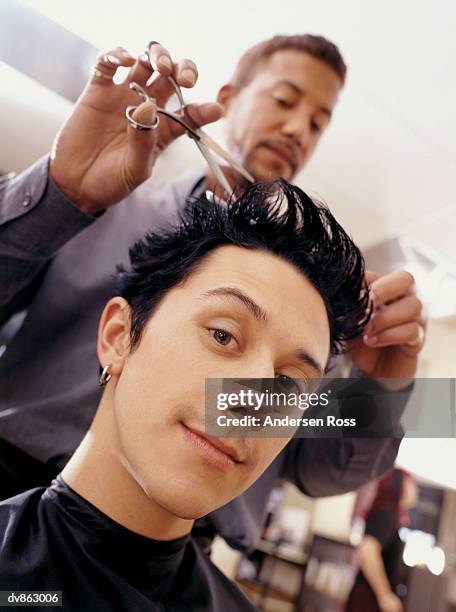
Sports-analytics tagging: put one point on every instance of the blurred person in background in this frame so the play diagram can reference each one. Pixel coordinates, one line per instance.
(380, 552)
(68, 220)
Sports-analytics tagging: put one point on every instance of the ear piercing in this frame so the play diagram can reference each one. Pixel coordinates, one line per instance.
(105, 376)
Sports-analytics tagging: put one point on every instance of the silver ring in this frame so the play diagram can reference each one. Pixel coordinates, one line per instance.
(136, 124)
(419, 339)
(100, 74)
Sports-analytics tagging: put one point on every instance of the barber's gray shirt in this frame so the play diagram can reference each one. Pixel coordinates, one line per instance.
(59, 264)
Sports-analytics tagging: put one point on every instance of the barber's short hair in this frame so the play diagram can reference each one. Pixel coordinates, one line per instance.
(275, 217)
(316, 46)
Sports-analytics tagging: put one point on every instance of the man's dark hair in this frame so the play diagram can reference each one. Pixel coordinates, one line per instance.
(316, 46)
(275, 217)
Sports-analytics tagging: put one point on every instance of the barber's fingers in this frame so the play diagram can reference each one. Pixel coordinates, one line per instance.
(200, 114)
(107, 64)
(160, 58)
(370, 276)
(391, 287)
(162, 89)
(156, 82)
(404, 310)
(141, 71)
(141, 149)
(406, 335)
(184, 72)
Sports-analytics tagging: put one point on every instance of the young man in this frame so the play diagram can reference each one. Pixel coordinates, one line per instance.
(65, 228)
(242, 290)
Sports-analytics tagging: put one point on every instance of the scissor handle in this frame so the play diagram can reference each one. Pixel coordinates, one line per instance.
(178, 90)
(192, 132)
(203, 141)
(140, 91)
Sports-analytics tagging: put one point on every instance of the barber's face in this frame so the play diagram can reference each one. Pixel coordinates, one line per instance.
(276, 121)
(213, 326)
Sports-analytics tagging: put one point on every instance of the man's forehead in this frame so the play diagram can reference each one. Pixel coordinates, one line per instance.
(255, 265)
(257, 268)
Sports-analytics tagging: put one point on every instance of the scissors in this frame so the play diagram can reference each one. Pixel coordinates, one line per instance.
(205, 143)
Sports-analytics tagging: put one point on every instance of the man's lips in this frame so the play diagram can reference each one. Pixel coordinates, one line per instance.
(213, 450)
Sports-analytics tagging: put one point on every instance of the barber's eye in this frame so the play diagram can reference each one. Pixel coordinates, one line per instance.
(283, 102)
(221, 336)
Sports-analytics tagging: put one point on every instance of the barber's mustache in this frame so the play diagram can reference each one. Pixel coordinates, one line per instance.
(291, 151)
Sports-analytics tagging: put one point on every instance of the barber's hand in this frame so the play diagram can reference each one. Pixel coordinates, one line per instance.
(98, 158)
(394, 337)
(390, 603)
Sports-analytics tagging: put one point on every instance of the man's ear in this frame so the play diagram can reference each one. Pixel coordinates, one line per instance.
(226, 95)
(114, 334)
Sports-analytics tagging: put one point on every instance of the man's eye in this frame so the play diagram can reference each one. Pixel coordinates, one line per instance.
(287, 384)
(221, 336)
(315, 127)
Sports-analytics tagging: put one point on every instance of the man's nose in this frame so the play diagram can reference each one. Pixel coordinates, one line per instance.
(260, 366)
(255, 374)
(255, 368)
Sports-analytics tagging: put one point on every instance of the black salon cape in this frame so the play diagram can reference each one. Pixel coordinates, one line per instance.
(53, 539)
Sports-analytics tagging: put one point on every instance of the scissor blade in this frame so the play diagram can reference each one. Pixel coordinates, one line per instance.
(214, 167)
(192, 133)
(211, 144)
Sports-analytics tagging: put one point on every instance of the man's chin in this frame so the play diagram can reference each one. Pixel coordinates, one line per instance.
(191, 506)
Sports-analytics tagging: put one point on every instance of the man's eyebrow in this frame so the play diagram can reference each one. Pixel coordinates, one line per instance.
(306, 358)
(300, 92)
(259, 314)
(242, 297)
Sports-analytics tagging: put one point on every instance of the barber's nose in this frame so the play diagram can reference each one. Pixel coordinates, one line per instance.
(298, 128)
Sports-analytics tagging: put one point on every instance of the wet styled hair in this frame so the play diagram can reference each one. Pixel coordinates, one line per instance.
(274, 216)
(316, 46)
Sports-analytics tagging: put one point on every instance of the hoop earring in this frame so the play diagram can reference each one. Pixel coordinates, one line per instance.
(105, 376)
